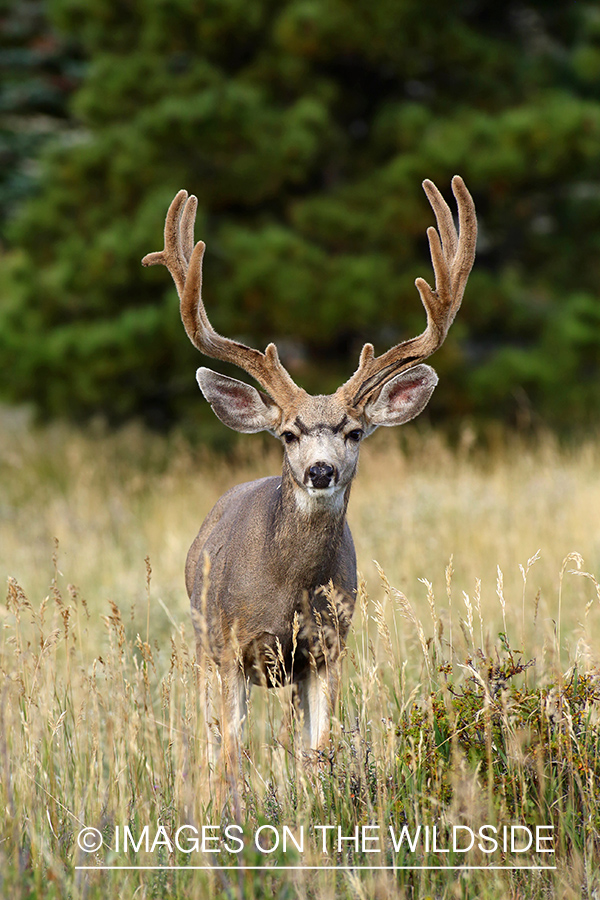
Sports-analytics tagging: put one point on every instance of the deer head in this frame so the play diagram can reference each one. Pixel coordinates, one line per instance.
(322, 434)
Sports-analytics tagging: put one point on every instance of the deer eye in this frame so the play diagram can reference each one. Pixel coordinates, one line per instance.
(355, 435)
(289, 437)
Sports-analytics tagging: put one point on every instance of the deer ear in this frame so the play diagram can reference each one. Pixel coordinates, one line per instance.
(238, 405)
(402, 398)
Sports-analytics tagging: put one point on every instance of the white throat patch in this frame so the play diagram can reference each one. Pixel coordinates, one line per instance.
(311, 499)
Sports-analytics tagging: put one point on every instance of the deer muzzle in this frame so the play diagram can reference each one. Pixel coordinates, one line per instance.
(320, 475)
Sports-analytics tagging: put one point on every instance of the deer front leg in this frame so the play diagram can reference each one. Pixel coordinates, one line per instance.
(225, 711)
(234, 702)
(226, 701)
(317, 695)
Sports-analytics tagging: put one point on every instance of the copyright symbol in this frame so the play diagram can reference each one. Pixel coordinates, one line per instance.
(89, 840)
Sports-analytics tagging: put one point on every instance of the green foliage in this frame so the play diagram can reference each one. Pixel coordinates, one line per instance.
(533, 745)
(305, 129)
(38, 71)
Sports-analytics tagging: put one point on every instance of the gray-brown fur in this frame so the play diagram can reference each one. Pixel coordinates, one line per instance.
(254, 603)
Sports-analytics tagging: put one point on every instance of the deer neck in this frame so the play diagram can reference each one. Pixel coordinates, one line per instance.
(308, 529)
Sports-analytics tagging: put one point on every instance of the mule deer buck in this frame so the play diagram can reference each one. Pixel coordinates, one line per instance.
(274, 562)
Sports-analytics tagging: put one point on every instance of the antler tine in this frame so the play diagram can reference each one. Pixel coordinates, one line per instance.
(186, 228)
(444, 218)
(179, 239)
(452, 256)
(184, 262)
(467, 223)
(453, 260)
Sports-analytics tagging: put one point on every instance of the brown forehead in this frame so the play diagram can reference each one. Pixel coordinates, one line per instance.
(320, 426)
(321, 413)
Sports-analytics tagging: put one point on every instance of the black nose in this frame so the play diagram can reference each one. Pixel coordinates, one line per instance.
(321, 475)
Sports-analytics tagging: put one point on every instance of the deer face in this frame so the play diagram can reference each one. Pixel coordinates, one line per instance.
(321, 442)
(321, 435)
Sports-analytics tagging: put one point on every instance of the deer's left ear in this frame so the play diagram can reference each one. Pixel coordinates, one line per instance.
(402, 398)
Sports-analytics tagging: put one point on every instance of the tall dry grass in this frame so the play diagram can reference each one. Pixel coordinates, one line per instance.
(440, 723)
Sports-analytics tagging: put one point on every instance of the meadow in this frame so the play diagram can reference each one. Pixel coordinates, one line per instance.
(468, 713)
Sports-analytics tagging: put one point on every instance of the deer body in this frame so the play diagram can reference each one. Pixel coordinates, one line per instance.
(296, 548)
(260, 607)
(288, 554)
(271, 574)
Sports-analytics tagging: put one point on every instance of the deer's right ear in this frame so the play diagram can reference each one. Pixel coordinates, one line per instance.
(238, 405)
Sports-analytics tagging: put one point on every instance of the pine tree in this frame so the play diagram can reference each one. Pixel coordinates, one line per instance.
(38, 72)
(305, 129)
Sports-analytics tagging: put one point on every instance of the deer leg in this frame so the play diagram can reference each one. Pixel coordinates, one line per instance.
(211, 715)
(317, 695)
(234, 711)
(225, 696)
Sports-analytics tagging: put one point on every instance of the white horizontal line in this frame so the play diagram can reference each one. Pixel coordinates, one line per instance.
(322, 868)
